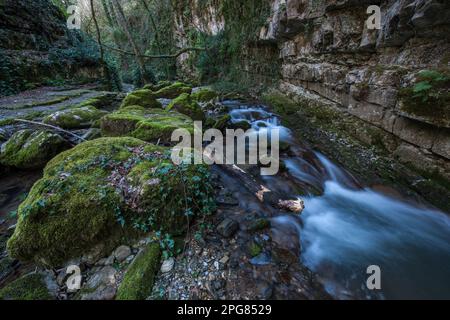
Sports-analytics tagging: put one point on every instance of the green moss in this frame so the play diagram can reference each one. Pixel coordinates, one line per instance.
(146, 124)
(186, 105)
(28, 150)
(259, 224)
(280, 103)
(429, 97)
(144, 98)
(101, 191)
(138, 281)
(222, 122)
(29, 287)
(173, 91)
(82, 117)
(204, 95)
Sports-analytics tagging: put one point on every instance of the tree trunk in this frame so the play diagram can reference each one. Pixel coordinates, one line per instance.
(123, 23)
(155, 30)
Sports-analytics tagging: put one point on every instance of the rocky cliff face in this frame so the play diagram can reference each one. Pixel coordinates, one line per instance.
(37, 48)
(329, 57)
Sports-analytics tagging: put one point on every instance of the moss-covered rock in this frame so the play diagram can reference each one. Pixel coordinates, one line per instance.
(29, 287)
(76, 118)
(143, 97)
(204, 95)
(222, 122)
(186, 105)
(30, 150)
(101, 191)
(173, 91)
(158, 86)
(103, 100)
(138, 281)
(151, 125)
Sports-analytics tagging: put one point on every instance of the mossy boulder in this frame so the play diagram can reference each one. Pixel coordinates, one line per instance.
(28, 149)
(174, 90)
(103, 100)
(222, 122)
(29, 287)
(204, 95)
(143, 97)
(150, 125)
(138, 281)
(76, 118)
(101, 192)
(186, 105)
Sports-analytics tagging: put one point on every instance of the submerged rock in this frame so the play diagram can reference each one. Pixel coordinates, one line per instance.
(150, 125)
(82, 117)
(188, 106)
(143, 97)
(30, 150)
(139, 278)
(102, 191)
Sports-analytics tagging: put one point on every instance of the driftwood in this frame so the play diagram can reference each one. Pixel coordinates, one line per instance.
(264, 194)
(51, 127)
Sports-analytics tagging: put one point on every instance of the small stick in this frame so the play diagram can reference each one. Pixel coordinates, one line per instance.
(51, 127)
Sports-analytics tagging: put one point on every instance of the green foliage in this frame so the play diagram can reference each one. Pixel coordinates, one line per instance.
(430, 96)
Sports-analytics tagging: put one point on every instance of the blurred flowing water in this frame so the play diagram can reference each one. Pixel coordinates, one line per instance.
(347, 227)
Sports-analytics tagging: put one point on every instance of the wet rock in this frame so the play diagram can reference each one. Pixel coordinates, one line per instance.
(31, 150)
(295, 206)
(168, 265)
(227, 228)
(121, 253)
(263, 290)
(258, 224)
(138, 280)
(225, 198)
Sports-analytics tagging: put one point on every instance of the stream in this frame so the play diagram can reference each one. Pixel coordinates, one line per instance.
(347, 227)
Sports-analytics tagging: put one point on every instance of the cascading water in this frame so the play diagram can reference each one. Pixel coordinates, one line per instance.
(346, 229)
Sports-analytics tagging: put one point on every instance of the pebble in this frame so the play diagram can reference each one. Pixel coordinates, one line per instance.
(121, 253)
(168, 265)
(224, 260)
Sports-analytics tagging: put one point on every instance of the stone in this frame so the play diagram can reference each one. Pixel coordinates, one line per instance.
(227, 227)
(264, 290)
(87, 196)
(75, 118)
(168, 265)
(121, 253)
(27, 149)
(186, 105)
(151, 125)
(139, 278)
